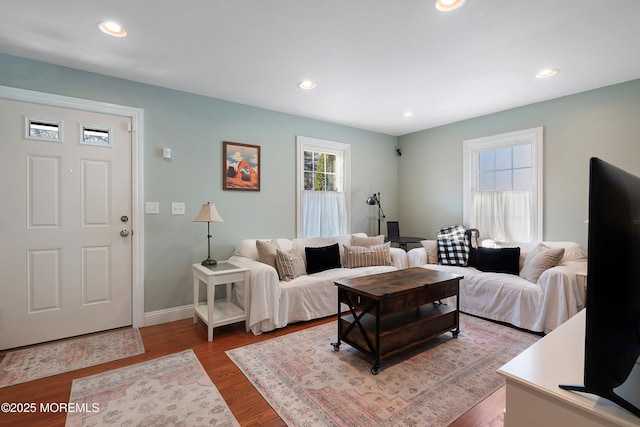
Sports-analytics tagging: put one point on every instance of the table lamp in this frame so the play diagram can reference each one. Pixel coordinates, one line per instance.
(208, 214)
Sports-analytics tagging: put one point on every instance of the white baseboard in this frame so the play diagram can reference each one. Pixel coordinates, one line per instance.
(168, 315)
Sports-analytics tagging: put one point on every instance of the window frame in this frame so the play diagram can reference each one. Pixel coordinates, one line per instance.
(304, 143)
(472, 147)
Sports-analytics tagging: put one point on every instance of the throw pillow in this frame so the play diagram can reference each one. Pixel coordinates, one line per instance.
(289, 265)
(362, 256)
(498, 260)
(367, 241)
(267, 252)
(431, 247)
(453, 247)
(540, 259)
(322, 258)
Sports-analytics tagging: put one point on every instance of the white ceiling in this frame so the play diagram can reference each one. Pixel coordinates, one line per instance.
(372, 60)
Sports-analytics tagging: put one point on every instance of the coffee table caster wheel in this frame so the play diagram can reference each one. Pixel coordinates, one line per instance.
(375, 370)
(336, 346)
(455, 333)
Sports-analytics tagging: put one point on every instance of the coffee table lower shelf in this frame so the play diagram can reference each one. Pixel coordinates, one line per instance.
(391, 334)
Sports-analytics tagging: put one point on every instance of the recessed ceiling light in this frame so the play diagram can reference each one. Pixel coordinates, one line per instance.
(549, 72)
(407, 115)
(306, 85)
(447, 5)
(112, 28)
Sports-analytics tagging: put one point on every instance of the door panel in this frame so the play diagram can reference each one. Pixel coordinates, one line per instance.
(65, 270)
(44, 282)
(43, 192)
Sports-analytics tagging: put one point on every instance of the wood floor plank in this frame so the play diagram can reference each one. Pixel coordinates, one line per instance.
(244, 401)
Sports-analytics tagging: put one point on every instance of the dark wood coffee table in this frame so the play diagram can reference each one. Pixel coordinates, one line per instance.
(391, 312)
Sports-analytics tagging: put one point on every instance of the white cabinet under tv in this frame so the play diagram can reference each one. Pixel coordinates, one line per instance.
(533, 396)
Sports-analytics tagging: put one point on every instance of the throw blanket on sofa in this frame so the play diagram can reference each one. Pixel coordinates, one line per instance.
(453, 247)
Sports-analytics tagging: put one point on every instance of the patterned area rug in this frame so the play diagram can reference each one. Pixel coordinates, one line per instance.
(308, 383)
(68, 355)
(173, 390)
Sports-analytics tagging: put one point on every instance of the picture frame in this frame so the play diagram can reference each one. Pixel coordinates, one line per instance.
(240, 166)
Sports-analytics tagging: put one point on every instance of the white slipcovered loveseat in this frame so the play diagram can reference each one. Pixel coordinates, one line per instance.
(276, 303)
(539, 306)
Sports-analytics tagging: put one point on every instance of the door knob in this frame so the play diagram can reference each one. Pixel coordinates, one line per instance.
(124, 218)
(124, 233)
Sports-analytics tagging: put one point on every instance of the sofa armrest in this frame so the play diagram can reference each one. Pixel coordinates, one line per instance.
(398, 258)
(265, 294)
(417, 257)
(561, 292)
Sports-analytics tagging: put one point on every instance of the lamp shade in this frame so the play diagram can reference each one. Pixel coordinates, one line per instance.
(372, 200)
(208, 213)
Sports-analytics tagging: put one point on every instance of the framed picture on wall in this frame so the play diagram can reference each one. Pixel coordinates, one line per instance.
(240, 166)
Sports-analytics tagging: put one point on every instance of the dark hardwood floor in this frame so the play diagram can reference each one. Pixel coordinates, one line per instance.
(243, 399)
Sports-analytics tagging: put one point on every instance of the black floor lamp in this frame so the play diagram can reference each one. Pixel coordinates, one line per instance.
(375, 200)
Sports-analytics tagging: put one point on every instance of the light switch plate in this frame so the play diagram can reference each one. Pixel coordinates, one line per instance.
(152, 208)
(177, 208)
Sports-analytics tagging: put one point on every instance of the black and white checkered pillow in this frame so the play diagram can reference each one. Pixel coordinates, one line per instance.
(453, 246)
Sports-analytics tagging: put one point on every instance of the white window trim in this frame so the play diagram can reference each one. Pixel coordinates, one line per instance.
(309, 144)
(533, 136)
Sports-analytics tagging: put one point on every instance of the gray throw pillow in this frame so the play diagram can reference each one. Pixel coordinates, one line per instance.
(539, 260)
(267, 252)
(367, 241)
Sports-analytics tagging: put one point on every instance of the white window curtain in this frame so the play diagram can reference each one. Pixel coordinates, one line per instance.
(506, 216)
(502, 185)
(324, 214)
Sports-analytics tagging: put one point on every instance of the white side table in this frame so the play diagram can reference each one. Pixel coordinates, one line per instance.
(219, 312)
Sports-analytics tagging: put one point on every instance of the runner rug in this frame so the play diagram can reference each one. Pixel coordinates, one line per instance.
(308, 383)
(173, 390)
(68, 355)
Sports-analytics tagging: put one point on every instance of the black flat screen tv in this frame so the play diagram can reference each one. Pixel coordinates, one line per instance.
(612, 334)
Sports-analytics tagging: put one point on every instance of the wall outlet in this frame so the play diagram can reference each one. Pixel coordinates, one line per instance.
(152, 208)
(177, 208)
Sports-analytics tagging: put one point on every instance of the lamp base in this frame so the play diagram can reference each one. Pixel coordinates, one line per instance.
(209, 262)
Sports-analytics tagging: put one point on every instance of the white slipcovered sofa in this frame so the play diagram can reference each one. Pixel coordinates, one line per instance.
(540, 307)
(276, 303)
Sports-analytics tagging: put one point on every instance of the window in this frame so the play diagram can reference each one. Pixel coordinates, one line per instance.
(320, 171)
(45, 130)
(503, 186)
(323, 207)
(99, 137)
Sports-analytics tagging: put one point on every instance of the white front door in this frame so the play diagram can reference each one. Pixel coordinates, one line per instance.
(65, 267)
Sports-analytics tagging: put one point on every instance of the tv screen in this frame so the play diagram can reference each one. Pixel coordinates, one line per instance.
(612, 334)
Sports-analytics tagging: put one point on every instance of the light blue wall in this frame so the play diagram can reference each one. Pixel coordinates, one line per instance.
(603, 123)
(423, 188)
(194, 128)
